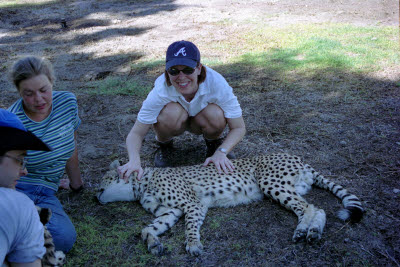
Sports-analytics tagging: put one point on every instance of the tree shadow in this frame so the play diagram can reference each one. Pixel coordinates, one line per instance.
(43, 27)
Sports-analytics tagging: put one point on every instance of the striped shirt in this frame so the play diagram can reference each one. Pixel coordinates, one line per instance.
(46, 168)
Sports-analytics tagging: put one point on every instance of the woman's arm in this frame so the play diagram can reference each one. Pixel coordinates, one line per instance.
(237, 130)
(133, 144)
(72, 169)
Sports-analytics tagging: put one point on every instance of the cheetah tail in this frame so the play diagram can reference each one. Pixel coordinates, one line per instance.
(352, 210)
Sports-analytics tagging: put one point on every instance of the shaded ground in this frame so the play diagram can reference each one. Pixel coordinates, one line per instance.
(344, 125)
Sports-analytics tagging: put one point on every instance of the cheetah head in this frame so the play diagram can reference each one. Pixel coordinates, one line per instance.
(114, 189)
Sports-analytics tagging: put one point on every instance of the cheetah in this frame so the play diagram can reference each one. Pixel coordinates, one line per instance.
(169, 193)
(51, 257)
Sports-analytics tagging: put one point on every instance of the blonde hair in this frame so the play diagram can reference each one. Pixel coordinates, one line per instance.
(31, 66)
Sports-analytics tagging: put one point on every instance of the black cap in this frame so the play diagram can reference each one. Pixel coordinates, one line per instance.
(182, 53)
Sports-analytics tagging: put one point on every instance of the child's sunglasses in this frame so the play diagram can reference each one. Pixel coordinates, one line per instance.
(174, 71)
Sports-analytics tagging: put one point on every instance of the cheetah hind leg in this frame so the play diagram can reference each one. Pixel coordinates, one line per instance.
(311, 225)
(317, 226)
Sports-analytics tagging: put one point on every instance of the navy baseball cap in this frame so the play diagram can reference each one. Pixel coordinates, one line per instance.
(14, 136)
(182, 53)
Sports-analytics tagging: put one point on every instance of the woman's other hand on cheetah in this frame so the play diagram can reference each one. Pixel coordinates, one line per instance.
(66, 184)
(221, 162)
(126, 170)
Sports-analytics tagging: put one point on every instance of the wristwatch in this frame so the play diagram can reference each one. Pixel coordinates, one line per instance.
(223, 150)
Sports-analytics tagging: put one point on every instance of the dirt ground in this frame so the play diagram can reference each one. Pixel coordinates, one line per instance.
(352, 138)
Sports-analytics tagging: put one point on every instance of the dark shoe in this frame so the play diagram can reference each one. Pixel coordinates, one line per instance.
(162, 155)
(212, 146)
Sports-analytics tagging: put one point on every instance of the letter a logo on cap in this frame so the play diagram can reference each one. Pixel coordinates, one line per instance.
(181, 51)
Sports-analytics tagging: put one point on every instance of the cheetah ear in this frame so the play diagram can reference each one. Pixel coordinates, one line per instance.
(114, 165)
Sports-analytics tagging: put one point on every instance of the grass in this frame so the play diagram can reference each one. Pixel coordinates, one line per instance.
(25, 3)
(307, 48)
(139, 85)
(119, 86)
(102, 243)
(107, 246)
(304, 50)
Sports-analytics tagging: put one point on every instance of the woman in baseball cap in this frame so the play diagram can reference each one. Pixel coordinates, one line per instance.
(187, 97)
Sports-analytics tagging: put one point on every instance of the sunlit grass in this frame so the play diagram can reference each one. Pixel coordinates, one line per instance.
(148, 65)
(297, 49)
(119, 86)
(305, 48)
(24, 3)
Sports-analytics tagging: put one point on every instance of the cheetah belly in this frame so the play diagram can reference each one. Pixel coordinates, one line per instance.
(225, 196)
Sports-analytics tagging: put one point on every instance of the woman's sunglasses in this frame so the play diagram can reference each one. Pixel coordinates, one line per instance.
(174, 71)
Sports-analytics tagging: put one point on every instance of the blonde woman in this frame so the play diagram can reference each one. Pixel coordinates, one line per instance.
(53, 117)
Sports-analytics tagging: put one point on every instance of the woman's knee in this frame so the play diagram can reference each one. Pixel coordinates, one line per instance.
(211, 120)
(172, 117)
(212, 116)
(63, 231)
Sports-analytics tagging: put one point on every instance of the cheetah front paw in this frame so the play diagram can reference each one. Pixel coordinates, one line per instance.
(195, 248)
(154, 245)
(155, 248)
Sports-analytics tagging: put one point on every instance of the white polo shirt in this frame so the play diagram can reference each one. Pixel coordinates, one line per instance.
(21, 232)
(214, 90)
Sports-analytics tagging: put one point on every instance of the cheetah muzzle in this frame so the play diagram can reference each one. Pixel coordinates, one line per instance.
(169, 193)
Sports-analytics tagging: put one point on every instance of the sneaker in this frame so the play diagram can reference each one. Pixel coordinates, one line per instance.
(162, 155)
(212, 146)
